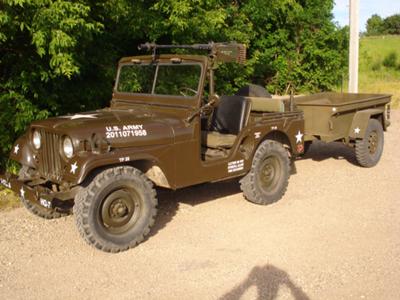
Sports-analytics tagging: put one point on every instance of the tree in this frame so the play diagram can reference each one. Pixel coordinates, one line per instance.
(378, 26)
(58, 56)
(40, 45)
(392, 24)
(375, 25)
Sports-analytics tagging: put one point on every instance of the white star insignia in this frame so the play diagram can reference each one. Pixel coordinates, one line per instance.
(16, 149)
(74, 166)
(22, 192)
(81, 116)
(357, 130)
(299, 136)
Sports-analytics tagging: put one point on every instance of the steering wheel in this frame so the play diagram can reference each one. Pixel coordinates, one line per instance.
(184, 91)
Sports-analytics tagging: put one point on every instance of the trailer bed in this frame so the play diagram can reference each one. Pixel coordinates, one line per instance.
(331, 116)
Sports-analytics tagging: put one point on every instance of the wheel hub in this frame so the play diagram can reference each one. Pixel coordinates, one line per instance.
(119, 210)
(373, 142)
(269, 173)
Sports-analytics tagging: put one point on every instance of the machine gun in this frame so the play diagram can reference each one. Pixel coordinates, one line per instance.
(219, 52)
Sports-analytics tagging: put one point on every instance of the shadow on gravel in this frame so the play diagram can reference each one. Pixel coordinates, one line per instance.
(320, 151)
(168, 200)
(267, 279)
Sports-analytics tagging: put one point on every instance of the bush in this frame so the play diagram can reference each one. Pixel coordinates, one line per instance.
(376, 66)
(390, 60)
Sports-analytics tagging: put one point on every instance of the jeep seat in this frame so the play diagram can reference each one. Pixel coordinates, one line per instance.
(217, 140)
(229, 117)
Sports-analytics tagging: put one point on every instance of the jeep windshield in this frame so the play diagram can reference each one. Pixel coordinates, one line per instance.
(174, 79)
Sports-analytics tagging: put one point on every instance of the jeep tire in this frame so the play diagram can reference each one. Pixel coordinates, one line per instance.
(115, 211)
(369, 149)
(268, 177)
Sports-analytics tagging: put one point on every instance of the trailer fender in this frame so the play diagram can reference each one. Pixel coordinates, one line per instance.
(360, 122)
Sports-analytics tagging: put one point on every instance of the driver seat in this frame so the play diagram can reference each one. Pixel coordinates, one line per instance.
(229, 118)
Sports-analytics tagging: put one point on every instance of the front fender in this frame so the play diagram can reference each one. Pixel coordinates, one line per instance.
(22, 152)
(86, 163)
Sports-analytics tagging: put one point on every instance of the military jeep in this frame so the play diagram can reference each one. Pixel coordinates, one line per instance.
(166, 126)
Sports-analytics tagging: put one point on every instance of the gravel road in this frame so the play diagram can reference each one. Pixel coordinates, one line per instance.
(334, 235)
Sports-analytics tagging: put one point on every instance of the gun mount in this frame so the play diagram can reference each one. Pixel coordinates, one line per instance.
(219, 52)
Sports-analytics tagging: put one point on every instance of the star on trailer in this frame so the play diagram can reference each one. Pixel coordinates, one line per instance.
(16, 149)
(74, 166)
(357, 130)
(299, 136)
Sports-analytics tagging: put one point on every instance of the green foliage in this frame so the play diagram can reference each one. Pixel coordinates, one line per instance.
(40, 46)
(392, 24)
(374, 77)
(375, 25)
(378, 26)
(390, 60)
(59, 56)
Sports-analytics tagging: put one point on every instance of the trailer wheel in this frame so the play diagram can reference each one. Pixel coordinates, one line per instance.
(38, 210)
(116, 210)
(369, 149)
(268, 178)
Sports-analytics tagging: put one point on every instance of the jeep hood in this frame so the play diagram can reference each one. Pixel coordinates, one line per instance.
(121, 128)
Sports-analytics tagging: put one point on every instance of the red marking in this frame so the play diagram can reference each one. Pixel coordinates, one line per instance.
(300, 148)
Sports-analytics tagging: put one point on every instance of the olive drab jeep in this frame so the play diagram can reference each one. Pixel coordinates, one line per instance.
(166, 126)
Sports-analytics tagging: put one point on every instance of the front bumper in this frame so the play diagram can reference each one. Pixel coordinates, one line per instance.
(37, 193)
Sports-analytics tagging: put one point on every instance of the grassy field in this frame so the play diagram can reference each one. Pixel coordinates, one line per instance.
(374, 76)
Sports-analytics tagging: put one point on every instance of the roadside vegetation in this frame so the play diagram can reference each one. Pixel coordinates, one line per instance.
(8, 199)
(380, 66)
(380, 57)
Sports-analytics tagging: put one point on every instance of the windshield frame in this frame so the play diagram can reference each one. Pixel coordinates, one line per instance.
(157, 64)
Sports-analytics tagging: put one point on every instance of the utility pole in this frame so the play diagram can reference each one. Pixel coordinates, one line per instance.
(354, 46)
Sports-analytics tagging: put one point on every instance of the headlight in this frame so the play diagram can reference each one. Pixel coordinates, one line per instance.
(68, 148)
(36, 139)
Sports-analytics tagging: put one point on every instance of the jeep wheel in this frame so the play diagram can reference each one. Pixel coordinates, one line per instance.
(116, 210)
(369, 149)
(38, 210)
(269, 175)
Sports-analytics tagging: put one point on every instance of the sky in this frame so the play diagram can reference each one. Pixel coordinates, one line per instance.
(384, 8)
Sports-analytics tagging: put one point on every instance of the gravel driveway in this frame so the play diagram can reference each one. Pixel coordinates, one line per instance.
(334, 235)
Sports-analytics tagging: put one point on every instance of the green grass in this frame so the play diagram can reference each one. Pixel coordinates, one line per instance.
(374, 77)
(8, 200)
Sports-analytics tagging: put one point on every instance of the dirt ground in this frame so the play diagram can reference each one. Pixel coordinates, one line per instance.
(334, 235)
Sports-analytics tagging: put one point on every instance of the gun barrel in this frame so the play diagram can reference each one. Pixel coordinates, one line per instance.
(151, 46)
(220, 52)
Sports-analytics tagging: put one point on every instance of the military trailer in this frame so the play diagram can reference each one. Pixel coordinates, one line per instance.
(167, 127)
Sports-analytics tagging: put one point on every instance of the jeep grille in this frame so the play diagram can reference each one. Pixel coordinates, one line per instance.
(49, 156)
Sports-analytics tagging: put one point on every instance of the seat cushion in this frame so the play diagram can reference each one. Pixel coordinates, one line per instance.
(267, 104)
(216, 140)
(230, 115)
